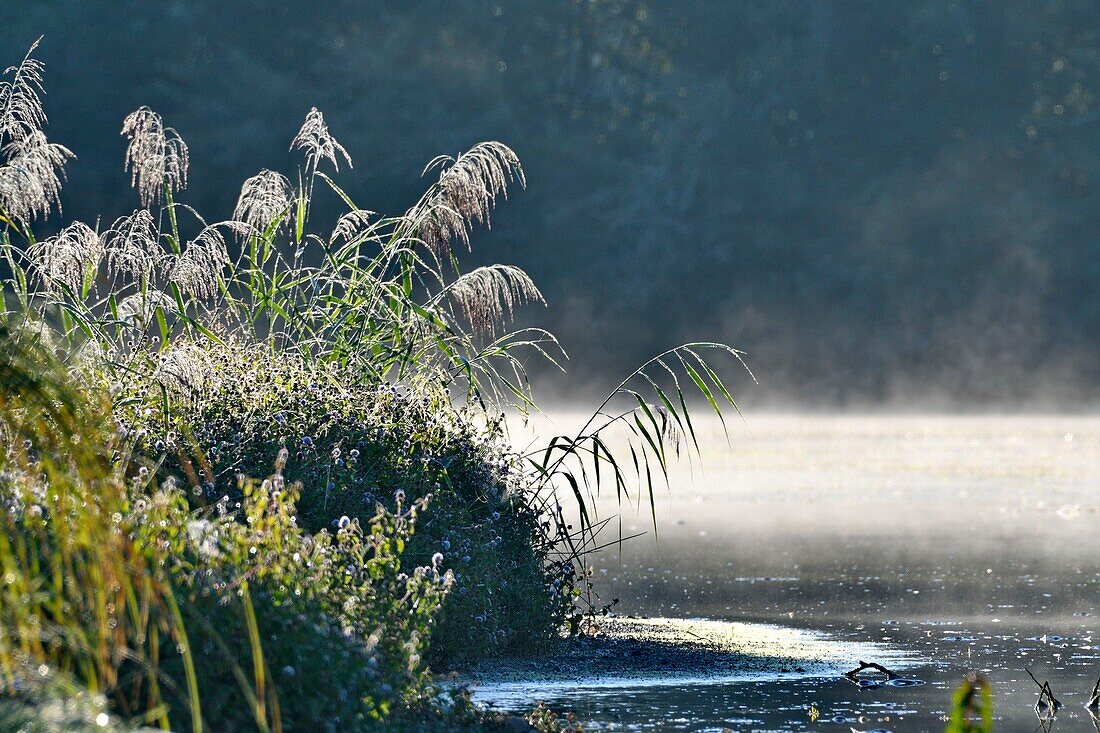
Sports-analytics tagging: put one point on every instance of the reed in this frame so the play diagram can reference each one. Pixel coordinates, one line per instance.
(355, 364)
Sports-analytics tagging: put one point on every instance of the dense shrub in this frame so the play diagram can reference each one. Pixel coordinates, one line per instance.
(356, 448)
(334, 622)
(120, 599)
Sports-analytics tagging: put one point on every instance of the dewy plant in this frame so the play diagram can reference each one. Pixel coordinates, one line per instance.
(354, 365)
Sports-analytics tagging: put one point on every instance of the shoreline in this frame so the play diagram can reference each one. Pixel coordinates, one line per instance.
(635, 652)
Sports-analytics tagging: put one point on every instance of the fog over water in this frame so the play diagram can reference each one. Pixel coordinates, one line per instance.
(892, 207)
(890, 202)
(965, 542)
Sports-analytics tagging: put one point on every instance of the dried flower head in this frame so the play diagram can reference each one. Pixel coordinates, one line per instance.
(264, 197)
(156, 156)
(67, 258)
(198, 269)
(318, 143)
(466, 193)
(133, 246)
(30, 181)
(488, 296)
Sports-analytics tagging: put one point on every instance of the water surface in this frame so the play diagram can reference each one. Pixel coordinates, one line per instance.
(965, 542)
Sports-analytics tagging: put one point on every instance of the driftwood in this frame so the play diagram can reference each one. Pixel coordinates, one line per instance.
(1094, 699)
(863, 666)
(1047, 706)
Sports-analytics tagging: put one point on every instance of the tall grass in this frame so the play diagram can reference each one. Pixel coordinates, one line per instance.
(79, 597)
(384, 295)
(111, 583)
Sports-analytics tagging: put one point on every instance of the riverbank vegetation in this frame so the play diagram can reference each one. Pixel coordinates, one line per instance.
(256, 473)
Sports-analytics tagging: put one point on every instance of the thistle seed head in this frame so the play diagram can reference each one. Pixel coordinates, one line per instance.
(156, 156)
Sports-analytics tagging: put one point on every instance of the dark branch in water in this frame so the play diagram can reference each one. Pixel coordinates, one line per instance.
(1047, 706)
(1094, 698)
(890, 674)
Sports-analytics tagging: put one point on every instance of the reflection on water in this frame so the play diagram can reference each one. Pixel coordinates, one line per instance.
(967, 541)
(644, 655)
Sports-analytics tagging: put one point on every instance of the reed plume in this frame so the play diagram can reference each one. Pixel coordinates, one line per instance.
(21, 112)
(198, 269)
(156, 156)
(185, 368)
(66, 258)
(318, 143)
(349, 225)
(138, 309)
(30, 179)
(133, 245)
(465, 194)
(264, 197)
(488, 296)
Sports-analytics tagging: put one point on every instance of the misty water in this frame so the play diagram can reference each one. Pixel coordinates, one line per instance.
(938, 544)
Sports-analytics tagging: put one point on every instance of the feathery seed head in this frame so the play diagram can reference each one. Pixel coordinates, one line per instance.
(318, 143)
(133, 245)
(21, 112)
(30, 180)
(156, 156)
(198, 269)
(66, 258)
(466, 193)
(488, 296)
(264, 197)
(351, 224)
(185, 367)
(138, 309)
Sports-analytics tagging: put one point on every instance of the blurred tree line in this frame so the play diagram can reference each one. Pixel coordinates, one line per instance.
(880, 200)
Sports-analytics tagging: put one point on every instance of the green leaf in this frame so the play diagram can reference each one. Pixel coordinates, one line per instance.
(706, 393)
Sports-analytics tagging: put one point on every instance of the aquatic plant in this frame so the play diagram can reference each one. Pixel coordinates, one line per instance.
(545, 720)
(972, 707)
(357, 366)
(381, 296)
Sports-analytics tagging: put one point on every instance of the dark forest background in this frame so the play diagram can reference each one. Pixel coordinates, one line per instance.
(891, 201)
